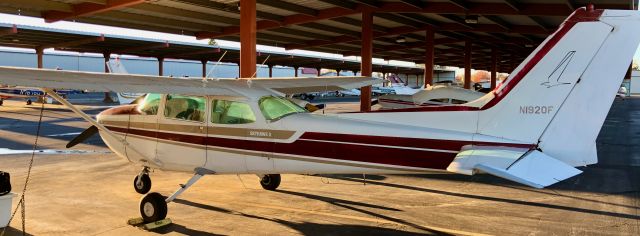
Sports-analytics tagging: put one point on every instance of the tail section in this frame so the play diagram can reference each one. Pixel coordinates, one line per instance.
(560, 95)
(116, 67)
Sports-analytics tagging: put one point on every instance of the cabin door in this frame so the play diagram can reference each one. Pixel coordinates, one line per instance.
(182, 132)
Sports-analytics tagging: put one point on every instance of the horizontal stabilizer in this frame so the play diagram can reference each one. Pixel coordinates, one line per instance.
(535, 169)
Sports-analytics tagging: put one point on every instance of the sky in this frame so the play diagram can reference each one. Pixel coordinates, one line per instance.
(65, 25)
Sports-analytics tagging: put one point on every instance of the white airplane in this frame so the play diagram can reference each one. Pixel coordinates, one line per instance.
(525, 131)
(431, 96)
(28, 93)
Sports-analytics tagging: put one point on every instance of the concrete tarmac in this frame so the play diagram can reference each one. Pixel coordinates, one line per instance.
(92, 194)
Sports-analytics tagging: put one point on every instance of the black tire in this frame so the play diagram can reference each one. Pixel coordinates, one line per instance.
(29, 102)
(1, 102)
(270, 182)
(153, 207)
(145, 184)
(303, 96)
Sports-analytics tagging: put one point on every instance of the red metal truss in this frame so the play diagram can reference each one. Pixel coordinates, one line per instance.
(287, 20)
(9, 31)
(142, 48)
(87, 8)
(69, 44)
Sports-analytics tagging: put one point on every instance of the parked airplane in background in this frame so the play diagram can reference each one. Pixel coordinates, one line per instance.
(534, 129)
(29, 93)
(431, 96)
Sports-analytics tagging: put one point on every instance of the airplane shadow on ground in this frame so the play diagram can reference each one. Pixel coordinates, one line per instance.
(47, 128)
(10, 231)
(310, 228)
(177, 228)
(503, 200)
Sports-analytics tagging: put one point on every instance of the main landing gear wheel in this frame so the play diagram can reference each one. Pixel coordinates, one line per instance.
(29, 102)
(144, 185)
(153, 207)
(270, 182)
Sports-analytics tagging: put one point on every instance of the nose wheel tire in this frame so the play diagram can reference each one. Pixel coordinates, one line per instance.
(144, 185)
(29, 102)
(153, 207)
(270, 182)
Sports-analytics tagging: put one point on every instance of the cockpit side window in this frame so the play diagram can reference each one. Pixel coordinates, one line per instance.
(231, 112)
(150, 104)
(185, 107)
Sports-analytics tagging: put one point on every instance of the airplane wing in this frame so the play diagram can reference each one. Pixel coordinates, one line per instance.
(47, 78)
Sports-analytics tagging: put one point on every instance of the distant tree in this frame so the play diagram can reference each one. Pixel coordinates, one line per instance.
(634, 65)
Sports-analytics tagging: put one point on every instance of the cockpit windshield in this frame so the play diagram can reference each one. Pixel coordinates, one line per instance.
(149, 106)
(274, 108)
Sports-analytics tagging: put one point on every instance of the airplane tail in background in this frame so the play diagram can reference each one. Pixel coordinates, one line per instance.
(560, 95)
(116, 67)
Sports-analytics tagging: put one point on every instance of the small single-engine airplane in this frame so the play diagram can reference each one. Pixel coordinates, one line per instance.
(431, 96)
(534, 129)
(28, 93)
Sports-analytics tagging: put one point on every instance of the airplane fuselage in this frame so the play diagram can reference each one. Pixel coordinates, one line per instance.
(295, 143)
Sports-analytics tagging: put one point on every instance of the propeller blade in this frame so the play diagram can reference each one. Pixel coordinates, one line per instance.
(83, 136)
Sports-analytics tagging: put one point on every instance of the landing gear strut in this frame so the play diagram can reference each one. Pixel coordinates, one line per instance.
(270, 182)
(153, 206)
(142, 182)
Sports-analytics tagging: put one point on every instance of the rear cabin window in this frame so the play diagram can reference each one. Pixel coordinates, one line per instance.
(150, 104)
(456, 101)
(442, 100)
(231, 112)
(185, 108)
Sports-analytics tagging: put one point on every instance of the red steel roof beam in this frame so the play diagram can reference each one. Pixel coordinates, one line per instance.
(69, 44)
(9, 31)
(131, 50)
(88, 8)
(540, 9)
(324, 14)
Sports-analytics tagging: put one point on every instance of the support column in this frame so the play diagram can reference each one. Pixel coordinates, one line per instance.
(40, 54)
(204, 68)
(428, 57)
(467, 64)
(338, 72)
(384, 77)
(295, 71)
(366, 54)
(247, 38)
(270, 71)
(494, 67)
(107, 95)
(160, 66)
(318, 69)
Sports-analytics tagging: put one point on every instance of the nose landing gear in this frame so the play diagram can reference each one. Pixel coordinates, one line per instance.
(142, 182)
(270, 182)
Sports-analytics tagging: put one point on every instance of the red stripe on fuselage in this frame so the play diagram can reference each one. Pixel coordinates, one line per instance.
(350, 147)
